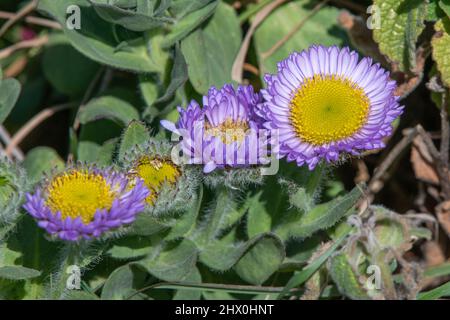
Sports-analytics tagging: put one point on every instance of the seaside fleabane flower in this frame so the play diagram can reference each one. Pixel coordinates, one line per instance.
(171, 186)
(324, 103)
(85, 202)
(225, 132)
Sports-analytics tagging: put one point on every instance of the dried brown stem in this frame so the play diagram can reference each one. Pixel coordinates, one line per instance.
(32, 124)
(440, 167)
(376, 182)
(87, 95)
(33, 43)
(445, 139)
(33, 20)
(19, 15)
(291, 33)
(251, 68)
(238, 65)
(6, 138)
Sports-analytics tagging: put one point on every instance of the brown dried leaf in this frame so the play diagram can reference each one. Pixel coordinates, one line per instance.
(433, 253)
(443, 215)
(361, 37)
(423, 168)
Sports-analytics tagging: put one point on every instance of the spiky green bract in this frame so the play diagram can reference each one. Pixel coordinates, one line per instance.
(234, 178)
(171, 195)
(12, 191)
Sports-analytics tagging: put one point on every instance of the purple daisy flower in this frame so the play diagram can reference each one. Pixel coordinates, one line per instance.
(325, 102)
(225, 132)
(86, 202)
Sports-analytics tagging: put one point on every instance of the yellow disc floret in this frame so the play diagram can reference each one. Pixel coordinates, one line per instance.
(229, 131)
(327, 109)
(155, 172)
(79, 194)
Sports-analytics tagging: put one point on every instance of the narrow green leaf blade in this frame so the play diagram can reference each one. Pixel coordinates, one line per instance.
(302, 276)
(439, 292)
(18, 273)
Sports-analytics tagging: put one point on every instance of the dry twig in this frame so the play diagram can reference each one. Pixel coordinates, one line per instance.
(238, 65)
(291, 33)
(87, 95)
(19, 15)
(33, 43)
(6, 138)
(32, 124)
(376, 183)
(445, 138)
(33, 20)
(440, 167)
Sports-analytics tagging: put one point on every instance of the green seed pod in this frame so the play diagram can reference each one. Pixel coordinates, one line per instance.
(172, 186)
(12, 191)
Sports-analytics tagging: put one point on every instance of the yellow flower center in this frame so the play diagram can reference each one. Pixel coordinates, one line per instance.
(229, 131)
(79, 194)
(155, 172)
(327, 109)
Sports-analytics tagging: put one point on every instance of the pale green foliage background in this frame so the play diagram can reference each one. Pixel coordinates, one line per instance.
(234, 234)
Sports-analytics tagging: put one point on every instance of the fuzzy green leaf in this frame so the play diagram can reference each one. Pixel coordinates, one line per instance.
(173, 263)
(9, 93)
(321, 217)
(186, 223)
(441, 48)
(133, 247)
(301, 277)
(37, 253)
(99, 40)
(320, 28)
(434, 12)
(88, 151)
(258, 218)
(106, 152)
(391, 233)
(217, 219)
(132, 20)
(261, 260)
(445, 6)
(146, 225)
(345, 278)
(135, 134)
(55, 67)
(41, 160)
(122, 283)
(181, 8)
(108, 107)
(18, 273)
(210, 51)
(193, 277)
(178, 76)
(188, 23)
(401, 23)
(221, 255)
(149, 88)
